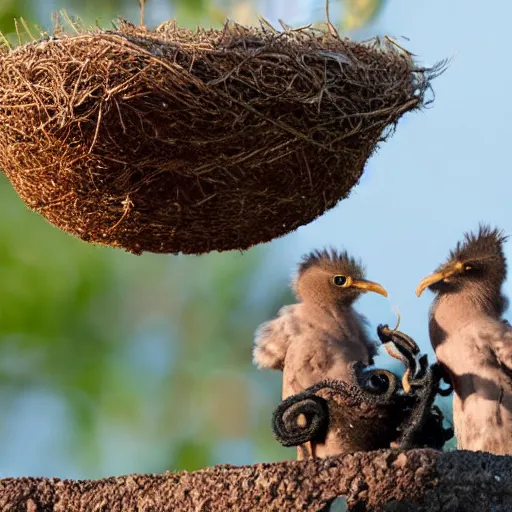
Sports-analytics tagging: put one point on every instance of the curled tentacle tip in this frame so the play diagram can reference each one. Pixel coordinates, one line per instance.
(384, 333)
(406, 384)
(299, 419)
(399, 317)
(390, 349)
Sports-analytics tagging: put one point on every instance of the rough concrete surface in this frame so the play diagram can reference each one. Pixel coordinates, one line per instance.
(418, 480)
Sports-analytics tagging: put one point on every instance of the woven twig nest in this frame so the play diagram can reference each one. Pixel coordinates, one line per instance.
(178, 141)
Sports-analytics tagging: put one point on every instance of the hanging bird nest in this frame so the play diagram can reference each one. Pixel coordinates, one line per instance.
(191, 141)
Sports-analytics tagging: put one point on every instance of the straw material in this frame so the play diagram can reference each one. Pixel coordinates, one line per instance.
(191, 141)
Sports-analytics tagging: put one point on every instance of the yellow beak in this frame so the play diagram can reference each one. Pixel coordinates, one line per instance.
(438, 276)
(369, 286)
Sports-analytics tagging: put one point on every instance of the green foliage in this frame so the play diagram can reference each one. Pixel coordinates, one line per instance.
(150, 355)
(138, 345)
(360, 12)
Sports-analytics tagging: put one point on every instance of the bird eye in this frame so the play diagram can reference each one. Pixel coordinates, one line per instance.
(340, 280)
(468, 267)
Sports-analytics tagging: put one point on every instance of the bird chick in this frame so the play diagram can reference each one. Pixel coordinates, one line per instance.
(317, 338)
(321, 336)
(473, 342)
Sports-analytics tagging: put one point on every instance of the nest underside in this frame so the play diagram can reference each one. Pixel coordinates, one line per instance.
(178, 141)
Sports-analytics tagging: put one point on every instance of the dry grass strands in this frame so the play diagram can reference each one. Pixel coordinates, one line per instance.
(178, 141)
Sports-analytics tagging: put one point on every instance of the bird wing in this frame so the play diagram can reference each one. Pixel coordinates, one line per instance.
(501, 345)
(272, 339)
(483, 387)
(372, 345)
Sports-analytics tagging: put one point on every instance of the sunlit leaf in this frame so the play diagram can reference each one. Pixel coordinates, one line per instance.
(244, 12)
(216, 14)
(360, 12)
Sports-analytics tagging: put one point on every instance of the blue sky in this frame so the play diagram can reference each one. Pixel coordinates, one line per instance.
(444, 170)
